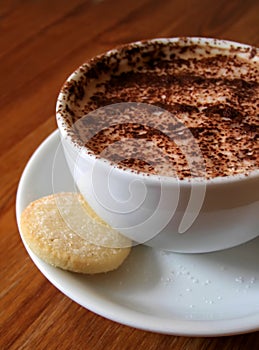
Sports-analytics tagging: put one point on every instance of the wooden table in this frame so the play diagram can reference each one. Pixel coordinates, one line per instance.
(41, 42)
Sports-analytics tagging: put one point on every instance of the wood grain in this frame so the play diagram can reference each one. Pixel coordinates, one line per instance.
(41, 43)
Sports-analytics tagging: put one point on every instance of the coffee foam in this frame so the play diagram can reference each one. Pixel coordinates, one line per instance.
(210, 91)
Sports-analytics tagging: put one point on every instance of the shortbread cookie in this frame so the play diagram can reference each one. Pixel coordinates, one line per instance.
(65, 232)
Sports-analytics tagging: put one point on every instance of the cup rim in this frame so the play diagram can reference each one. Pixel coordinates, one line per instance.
(188, 40)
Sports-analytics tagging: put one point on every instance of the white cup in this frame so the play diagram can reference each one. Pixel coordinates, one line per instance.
(189, 215)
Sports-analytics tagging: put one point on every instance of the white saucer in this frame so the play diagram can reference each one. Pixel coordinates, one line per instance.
(210, 294)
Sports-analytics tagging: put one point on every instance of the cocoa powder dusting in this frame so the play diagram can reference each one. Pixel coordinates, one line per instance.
(213, 96)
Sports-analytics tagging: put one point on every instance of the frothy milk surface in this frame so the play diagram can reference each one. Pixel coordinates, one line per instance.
(199, 96)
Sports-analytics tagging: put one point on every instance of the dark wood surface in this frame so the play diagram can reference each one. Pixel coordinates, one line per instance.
(41, 43)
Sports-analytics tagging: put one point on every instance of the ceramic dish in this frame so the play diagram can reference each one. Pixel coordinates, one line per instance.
(211, 294)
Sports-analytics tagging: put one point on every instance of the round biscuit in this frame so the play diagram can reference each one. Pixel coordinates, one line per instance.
(46, 228)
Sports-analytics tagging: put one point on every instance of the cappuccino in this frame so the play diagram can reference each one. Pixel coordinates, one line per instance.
(140, 105)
